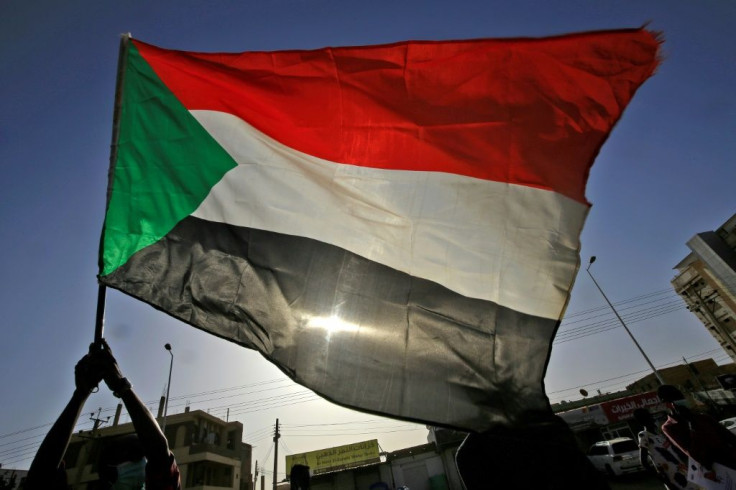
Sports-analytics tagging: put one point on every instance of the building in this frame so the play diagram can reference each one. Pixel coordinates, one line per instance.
(428, 466)
(610, 415)
(688, 377)
(209, 451)
(447, 442)
(10, 479)
(706, 280)
(424, 468)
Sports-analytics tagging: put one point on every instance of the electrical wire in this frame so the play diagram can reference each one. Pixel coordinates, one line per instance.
(634, 375)
(587, 322)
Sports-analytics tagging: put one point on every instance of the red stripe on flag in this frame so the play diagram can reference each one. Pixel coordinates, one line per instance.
(532, 112)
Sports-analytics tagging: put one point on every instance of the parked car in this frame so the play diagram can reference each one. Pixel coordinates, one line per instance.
(729, 424)
(616, 457)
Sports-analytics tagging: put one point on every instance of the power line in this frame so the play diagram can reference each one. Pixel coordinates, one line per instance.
(667, 291)
(292, 432)
(338, 423)
(625, 312)
(15, 451)
(641, 313)
(21, 440)
(285, 446)
(634, 374)
(639, 308)
(25, 430)
(355, 433)
(258, 433)
(613, 323)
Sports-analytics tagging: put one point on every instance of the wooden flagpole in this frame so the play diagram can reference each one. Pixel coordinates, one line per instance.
(102, 289)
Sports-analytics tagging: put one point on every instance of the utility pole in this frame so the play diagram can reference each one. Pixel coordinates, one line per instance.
(276, 437)
(703, 308)
(255, 477)
(168, 386)
(97, 420)
(695, 374)
(623, 324)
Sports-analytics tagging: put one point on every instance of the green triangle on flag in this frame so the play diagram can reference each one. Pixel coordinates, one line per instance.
(166, 165)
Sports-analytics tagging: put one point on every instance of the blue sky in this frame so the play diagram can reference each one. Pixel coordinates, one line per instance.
(666, 173)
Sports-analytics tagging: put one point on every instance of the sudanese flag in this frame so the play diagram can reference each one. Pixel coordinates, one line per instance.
(396, 227)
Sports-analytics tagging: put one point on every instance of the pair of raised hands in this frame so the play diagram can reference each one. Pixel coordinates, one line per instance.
(99, 364)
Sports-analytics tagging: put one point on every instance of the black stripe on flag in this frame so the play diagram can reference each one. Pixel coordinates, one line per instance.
(368, 336)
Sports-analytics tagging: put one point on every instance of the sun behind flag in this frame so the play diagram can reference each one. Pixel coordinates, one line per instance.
(396, 227)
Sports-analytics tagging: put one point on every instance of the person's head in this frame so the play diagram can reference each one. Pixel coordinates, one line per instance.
(122, 464)
(672, 397)
(645, 418)
(299, 477)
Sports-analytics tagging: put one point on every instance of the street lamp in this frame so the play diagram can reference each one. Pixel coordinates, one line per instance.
(168, 386)
(656, 373)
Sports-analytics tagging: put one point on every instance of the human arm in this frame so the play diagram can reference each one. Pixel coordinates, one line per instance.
(644, 450)
(48, 459)
(155, 445)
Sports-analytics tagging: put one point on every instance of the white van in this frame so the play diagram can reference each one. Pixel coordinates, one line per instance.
(616, 457)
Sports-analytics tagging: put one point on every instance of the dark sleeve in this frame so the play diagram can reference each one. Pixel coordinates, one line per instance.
(165, 477)
(50, 455)
(60, 478)
(55, 481)
(711, 442)
(644, 449)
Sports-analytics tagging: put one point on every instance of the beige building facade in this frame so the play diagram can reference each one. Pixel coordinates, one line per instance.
(209, 452)
(706, 280)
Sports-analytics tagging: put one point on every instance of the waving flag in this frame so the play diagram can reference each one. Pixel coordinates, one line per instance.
(396, 227)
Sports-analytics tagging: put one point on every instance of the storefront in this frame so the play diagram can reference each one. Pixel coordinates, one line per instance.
(611, 419)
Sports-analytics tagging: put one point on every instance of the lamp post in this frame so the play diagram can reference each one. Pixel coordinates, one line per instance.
(168, 385)
(656, 373)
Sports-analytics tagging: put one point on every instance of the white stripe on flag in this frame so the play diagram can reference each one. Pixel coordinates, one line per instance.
(514, 245)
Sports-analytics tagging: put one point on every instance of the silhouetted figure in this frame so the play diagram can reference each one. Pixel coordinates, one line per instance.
(657, 453)
(540, 455)
(698, 435)
(299, 477)
(126, 462)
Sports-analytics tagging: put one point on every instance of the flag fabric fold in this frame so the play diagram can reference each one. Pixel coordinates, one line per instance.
(396, 227)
